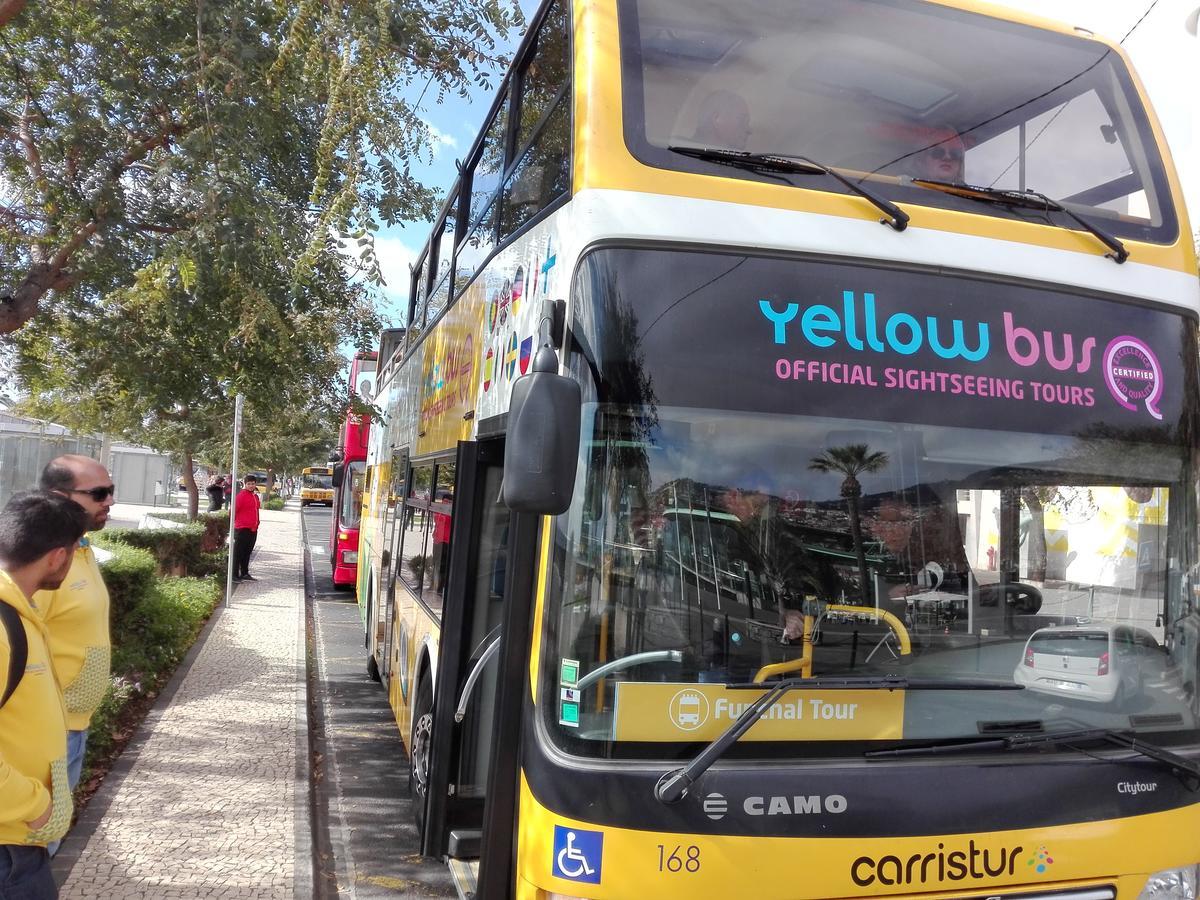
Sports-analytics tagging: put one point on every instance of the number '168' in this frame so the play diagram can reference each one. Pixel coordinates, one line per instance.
(673, 862)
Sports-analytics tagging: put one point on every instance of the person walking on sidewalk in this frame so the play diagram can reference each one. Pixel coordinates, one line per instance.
(38, 535)
(76, 614)
(216, 493)
(245, 529)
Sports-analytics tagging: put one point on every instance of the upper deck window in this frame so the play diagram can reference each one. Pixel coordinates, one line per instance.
(896, 90)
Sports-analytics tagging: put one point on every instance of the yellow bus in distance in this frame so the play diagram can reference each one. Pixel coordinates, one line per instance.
(316, 485)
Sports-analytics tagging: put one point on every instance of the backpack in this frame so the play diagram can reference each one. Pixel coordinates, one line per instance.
(18, 645)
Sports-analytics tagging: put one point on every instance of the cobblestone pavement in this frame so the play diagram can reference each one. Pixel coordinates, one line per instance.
(206, 802)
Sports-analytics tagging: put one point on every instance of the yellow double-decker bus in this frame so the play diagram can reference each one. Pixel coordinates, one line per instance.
(316, 485)
(787, 483)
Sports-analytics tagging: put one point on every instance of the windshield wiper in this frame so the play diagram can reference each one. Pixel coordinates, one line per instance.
(674, 784)
(1179, 765)
(1030, 200)
(796, 165)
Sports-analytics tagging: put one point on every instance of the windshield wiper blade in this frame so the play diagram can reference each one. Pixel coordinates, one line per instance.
(799, 165)
(674, 785)
(1178, 764)
(1031, 200)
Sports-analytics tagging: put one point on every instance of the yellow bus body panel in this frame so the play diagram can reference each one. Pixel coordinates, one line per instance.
(1121, 852)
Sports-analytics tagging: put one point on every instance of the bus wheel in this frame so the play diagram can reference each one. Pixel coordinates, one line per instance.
(422, 737)
(304, 503)
(373, 668)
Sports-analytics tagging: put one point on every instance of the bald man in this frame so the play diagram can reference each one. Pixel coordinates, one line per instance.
(76, 614)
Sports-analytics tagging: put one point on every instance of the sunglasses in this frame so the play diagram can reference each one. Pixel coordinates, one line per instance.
(99, 494)
(946, 153)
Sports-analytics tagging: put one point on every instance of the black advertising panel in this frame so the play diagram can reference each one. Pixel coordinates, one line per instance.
(805, 337)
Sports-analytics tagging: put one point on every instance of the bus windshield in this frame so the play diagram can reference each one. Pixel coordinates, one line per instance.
(318, 480)
(351, 512)
(748, 498)
(896, 90)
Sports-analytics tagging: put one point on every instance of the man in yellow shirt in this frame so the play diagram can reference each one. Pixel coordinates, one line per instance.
(76, 615)
(38, 533)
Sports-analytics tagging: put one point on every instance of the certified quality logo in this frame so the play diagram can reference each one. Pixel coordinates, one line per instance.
(688, 710)
(1133, 375)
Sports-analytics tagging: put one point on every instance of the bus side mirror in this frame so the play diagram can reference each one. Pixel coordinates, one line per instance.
(542, 445)
(339, 472)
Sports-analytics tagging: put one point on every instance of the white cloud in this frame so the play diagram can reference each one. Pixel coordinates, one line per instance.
(395, 261)
(439, 139)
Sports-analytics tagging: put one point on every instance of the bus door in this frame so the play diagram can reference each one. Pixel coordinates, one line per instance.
(468, 658)
(385, 605)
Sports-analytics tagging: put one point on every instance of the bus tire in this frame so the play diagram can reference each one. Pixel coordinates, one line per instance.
(419, 742)
(304, 503)
(373, 668)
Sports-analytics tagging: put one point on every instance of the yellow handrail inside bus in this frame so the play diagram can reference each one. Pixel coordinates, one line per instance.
(803, 663)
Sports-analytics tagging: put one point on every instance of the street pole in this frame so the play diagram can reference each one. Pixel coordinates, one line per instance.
(237, 431)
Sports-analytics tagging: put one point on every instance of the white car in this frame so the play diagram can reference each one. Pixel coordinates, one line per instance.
(1098, 662)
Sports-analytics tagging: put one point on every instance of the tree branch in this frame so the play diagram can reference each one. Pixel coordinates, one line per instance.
(46, 275)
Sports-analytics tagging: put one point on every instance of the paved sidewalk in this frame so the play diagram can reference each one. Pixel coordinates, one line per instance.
(211, 799)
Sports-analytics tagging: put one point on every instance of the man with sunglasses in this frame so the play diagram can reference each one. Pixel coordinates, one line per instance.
(76, 614)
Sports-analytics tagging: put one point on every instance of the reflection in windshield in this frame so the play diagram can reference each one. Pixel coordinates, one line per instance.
(1026, 558)
(895, 91)
(352, 493)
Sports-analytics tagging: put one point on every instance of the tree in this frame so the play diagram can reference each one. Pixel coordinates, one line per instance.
(851, 461)
(159, 363)
(137, 133)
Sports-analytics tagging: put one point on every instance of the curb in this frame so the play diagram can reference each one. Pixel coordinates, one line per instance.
(323, 861)
(304, 865)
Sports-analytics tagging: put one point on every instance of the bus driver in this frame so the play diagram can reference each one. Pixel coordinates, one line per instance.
(942, 157)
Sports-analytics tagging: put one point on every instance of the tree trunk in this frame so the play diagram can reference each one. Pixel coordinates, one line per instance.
(9, 9)
(189, 483)
(856, 536)
(1036, 536)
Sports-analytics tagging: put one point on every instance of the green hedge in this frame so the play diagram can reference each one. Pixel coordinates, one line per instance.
(275, 503)
(177, 550)
(130, 575)
(216, 527)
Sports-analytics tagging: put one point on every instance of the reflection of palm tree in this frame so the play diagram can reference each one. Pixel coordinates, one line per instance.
(851, 461)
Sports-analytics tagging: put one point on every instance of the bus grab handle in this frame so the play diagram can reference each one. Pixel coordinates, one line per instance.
(465, 697)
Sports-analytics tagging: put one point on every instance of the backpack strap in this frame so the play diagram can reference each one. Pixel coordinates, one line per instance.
(18, 645)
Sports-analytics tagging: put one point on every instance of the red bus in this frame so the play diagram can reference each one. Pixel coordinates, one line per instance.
(349, 476)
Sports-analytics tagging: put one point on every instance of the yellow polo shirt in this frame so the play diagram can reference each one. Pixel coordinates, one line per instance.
(76, 617)
(33, 736)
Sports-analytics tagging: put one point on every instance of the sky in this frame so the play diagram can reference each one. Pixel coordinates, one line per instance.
(1165, 56)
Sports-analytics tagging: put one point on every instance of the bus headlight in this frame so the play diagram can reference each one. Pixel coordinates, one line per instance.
(1172, 884)
(349, 557)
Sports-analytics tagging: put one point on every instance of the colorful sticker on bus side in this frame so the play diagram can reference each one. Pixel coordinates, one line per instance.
(517, 281)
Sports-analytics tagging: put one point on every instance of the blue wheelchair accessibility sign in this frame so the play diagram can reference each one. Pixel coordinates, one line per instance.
(578, 854)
